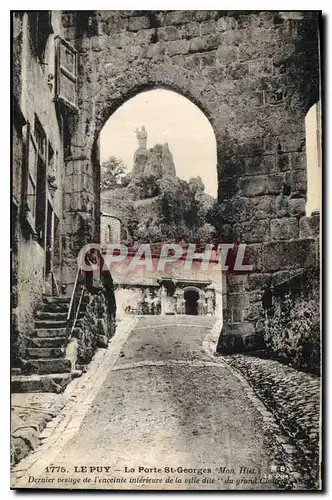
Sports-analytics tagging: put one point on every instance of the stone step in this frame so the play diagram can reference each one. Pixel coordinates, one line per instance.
(54, 307)
(54, 342)
(54, 316)
(56, 300)
(40, 383)
(61, 308)
(49, 332)
(45, 352)
(50, 325)
(46, 366)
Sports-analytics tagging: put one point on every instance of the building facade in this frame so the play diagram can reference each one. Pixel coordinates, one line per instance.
(39, 122)
(175, 290)
(110, 229)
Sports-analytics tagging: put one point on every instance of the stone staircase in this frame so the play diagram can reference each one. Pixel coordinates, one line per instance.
(45, 367)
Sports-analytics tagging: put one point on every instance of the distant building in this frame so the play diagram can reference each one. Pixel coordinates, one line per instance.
(110, 229)
(143, 289)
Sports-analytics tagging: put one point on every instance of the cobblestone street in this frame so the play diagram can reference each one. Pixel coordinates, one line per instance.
(156, 399)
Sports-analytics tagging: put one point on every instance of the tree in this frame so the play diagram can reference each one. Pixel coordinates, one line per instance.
(112, 172)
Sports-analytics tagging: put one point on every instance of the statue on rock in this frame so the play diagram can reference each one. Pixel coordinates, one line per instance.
(142, 137)
(141, 154)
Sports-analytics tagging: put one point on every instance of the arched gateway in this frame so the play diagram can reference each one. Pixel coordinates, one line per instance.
(260, 137)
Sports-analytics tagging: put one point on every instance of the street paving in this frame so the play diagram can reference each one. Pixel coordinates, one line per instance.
(167, 416)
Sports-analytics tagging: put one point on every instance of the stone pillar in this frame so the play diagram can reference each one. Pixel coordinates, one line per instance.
(235, 326)
(179, 301)
(148, 300)
(80, 198)
(163, 298)
(209, 303)
(182, 303)
(201, 303)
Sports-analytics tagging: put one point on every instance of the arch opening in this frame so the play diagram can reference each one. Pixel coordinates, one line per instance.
(191, 297)
(168, 117)
(159, 151)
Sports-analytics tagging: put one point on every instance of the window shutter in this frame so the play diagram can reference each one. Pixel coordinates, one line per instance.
(66, 74)
(25, 172)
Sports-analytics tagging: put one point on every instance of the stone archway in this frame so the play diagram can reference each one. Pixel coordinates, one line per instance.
(260, 157)
(192, 301)
(189, 85)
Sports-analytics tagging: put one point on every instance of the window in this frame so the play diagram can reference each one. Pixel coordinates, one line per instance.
(170, 287)
(40, 29)
(52, 170)
(35, 190)
(66, 74)
(108, 234)
(41, 142)
(17, 151)
(29, 205)
(40, 138)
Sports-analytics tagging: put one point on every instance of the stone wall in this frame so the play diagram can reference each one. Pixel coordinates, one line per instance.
(292, 321)
(96, 329)
(294, 399)
(30, 284)
(17, 162)
(274, 262)
(254, 75)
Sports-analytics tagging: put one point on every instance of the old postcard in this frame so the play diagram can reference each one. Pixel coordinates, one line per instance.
(166, 200)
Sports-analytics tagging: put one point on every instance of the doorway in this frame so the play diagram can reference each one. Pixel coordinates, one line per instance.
(191, 302)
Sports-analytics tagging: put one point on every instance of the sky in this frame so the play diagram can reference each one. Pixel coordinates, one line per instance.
(167, 117)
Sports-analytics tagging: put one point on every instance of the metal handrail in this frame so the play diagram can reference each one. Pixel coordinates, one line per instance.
(80, 288)
(77, 295)
(77, 311)
(71, 304)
